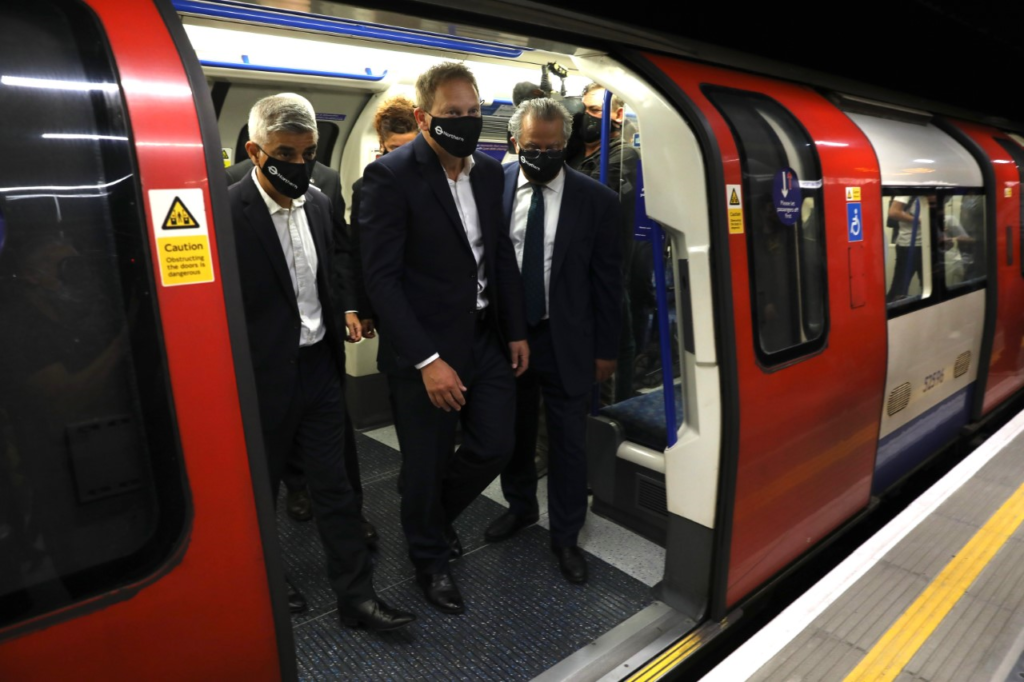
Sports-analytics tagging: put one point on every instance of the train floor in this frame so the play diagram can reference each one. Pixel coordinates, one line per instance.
(937, 595)
(522, 617)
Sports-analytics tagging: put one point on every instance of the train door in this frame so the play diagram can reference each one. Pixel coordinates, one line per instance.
(935, 244)
(130, 541)
(795, 187)
(1004, 159)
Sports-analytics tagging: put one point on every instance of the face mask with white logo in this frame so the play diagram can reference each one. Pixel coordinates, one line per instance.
(457, 136)
(541, 166)
(290, 179)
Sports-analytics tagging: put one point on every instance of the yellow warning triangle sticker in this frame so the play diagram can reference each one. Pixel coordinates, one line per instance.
(734, 199)
(179, 217)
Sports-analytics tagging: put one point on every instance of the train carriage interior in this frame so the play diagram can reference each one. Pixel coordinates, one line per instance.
(347, 74)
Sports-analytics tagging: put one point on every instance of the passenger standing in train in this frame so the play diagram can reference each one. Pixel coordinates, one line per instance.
(907, 210)
(442, 276)
(284, 239)
(347, 291)
(638, 298)
(564, 227)
(396, 126)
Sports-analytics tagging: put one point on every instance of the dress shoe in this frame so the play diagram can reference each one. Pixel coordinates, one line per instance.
(453, 543)
(374, 615)
(507, 525)
(296, 602)
(572, 563)
(369, 532)
(300, 507)
(440, 590)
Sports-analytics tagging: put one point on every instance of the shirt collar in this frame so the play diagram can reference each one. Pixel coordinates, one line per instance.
(272, 205)
(555, 185)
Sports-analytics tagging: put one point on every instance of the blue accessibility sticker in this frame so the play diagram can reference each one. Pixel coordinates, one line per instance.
(854, 222)
(786, 196)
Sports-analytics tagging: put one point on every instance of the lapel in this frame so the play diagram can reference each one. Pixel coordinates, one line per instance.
(434, 175)
(509, 197)
(567, 218)
(262, 224)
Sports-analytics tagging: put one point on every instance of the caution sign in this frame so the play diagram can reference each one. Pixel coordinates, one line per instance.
(181, 236)
(734, 208)
(179, 217)
(853, 193)
(225, 154)
(1008, 192)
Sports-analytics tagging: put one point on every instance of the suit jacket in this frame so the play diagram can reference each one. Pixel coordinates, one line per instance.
(348, 284)
(271, 311)
(585, 291)
(355, 230)
(420, 271)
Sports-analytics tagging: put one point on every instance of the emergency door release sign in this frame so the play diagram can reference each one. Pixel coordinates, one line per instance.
(181, 236)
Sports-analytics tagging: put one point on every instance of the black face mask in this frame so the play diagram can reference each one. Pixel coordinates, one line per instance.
(591, 128)
(457, 136)
(290, 179)
(540, 166)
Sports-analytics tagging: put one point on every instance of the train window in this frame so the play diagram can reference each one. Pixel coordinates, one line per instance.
(1016, 153)
(962, 244)
(908, 231)
(91, 489)
(782, 191)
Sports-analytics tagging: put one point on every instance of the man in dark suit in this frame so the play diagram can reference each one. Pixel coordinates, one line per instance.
(350, 296)
(442, 277)
(564, 226)
(283, 233)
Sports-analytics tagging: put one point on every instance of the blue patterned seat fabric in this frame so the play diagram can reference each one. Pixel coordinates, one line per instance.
(643, 418)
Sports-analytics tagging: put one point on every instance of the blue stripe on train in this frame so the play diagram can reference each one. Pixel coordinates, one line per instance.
(913, 443)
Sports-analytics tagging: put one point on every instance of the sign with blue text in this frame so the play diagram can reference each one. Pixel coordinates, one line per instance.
(786, 195)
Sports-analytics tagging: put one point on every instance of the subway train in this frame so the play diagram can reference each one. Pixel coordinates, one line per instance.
(831, 295)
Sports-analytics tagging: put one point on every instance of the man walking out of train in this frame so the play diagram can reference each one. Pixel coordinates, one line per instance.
(564, 226)
(442, 278)
(284, 241)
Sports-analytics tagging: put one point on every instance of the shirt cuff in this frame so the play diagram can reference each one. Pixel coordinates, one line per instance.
(351, 312)
(421, 365)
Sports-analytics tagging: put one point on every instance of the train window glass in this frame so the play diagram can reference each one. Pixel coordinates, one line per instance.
(962, 245)
(1016, 152)
(785, 238)
(91, 490)
(908, 232)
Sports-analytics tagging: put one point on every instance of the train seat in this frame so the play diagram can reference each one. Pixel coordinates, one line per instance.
(642, 418)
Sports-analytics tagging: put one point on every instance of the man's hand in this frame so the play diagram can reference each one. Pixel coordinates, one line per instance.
(353, 330)
(443, 386)
(369, 330)
(604, 369)
(520, 352)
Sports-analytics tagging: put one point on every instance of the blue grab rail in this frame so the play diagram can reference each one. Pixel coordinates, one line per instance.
(664, 335)
(240, 11)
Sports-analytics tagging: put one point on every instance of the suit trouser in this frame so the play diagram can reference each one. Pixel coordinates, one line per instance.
(567, 455)
(295, 477)
(315, 426)
(439, 482)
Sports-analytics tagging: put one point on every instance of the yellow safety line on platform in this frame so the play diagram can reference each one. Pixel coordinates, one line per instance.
(672, 656)
(898, 645)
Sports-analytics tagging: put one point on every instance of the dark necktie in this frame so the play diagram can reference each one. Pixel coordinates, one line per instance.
(533, 258)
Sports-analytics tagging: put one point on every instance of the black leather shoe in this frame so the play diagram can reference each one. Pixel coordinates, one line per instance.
(369, 533)
(453, 543)
(374, 615)
(296, 602)
(507, 525)
(572, 563)
(300, 508)
(440, 590)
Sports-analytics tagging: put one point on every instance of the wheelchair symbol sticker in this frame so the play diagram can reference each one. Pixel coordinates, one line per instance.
(854, 222)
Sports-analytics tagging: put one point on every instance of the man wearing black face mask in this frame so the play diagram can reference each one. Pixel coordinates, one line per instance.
(284, 241)
(442, 277)
(564, 229)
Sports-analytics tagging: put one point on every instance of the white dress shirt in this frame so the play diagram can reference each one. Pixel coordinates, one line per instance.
(465, 204)
(292, 229)
(520, 211)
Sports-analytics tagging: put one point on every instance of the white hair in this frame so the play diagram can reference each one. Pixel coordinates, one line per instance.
(544, 109)
(286, 112)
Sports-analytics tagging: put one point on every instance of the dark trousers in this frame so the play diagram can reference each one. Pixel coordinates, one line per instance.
(295, 478)
(315, 428)
(908, 264)
(567, 456)
(438, 482)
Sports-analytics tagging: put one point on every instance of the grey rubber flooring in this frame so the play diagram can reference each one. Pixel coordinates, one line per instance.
(521, 616)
